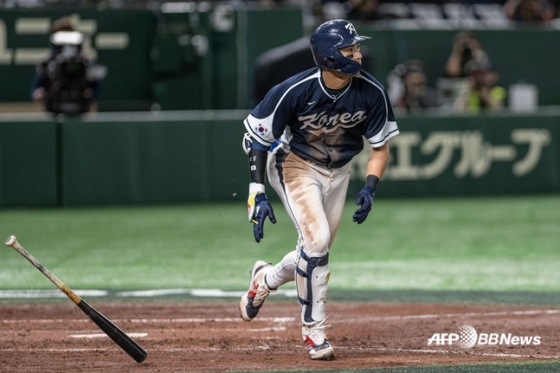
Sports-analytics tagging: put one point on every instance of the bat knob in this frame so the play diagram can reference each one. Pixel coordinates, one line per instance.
(10, 240)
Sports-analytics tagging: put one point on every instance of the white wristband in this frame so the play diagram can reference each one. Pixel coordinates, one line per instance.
(256, 187)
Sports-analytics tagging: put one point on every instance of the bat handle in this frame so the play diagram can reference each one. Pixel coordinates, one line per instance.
(12, 242)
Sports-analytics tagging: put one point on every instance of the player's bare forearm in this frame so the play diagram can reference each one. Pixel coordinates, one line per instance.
(378, 159)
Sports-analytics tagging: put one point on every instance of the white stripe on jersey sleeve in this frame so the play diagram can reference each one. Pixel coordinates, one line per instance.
(389, 130)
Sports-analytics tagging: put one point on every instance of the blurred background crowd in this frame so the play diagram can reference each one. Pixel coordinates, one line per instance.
(468, 81)
(521, 11)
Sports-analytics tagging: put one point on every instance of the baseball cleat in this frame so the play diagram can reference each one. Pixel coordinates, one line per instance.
(253, 299)
(316, 342)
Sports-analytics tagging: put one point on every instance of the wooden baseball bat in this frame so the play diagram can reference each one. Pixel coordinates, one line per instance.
(117, 335)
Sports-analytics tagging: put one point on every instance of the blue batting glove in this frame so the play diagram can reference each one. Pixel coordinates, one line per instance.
(258, 209)
(364, 200)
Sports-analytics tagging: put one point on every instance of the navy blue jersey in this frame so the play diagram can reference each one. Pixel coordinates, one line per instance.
(320, 125)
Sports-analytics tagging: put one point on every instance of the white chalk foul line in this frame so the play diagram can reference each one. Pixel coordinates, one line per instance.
(276, 320)
(103, 335)
(206, 319)
(35, 294)
(202, 293)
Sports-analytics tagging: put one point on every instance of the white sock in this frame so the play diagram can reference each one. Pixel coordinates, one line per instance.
(283, 272)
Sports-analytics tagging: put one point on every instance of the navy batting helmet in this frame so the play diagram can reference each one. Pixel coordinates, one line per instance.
(328, 39)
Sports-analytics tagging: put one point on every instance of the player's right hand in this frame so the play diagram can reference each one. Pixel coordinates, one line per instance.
(258, 208)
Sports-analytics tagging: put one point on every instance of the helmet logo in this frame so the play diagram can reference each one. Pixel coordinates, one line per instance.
(351, 28)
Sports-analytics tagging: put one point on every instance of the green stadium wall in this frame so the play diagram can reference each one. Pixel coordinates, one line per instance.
(196, 156)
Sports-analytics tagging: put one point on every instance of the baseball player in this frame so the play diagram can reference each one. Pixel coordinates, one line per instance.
(303, 135)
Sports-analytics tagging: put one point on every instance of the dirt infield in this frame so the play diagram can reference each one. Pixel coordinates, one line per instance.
(197, 337)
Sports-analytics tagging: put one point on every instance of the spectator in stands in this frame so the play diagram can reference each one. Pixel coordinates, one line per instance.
(465, 48)
(363, 10)
(529, 11)
(481, 92)
(270, 3)
(408, 90)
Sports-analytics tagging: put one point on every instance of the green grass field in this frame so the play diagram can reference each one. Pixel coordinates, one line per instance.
(500, 249)
(468, 244)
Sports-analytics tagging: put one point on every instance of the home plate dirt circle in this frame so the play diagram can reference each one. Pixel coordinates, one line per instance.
(209, 336)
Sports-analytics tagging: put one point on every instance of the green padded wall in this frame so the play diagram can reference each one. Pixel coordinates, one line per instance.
(149, 158)
(28, 163)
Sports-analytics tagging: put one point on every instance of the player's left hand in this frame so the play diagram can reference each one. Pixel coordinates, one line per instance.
(364, 200)
(258, 209)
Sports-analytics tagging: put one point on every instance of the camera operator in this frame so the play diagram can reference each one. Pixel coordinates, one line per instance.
(465, 48)
(66, 82)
